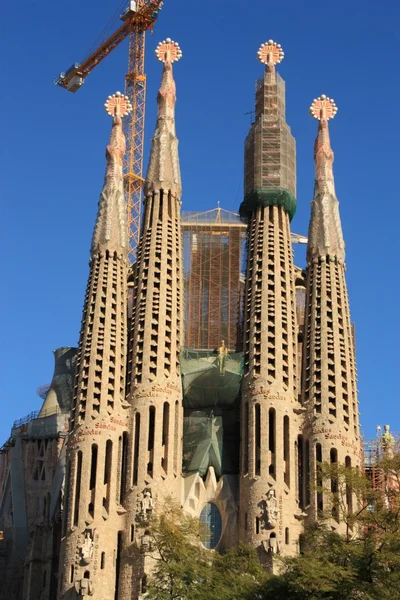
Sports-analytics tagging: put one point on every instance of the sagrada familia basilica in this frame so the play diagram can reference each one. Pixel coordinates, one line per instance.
(219, 382)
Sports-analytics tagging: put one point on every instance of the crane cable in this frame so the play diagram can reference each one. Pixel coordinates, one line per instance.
(107, 29)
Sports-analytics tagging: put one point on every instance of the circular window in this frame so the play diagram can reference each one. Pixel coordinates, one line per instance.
(211, 517)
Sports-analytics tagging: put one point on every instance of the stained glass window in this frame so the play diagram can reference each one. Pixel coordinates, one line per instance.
(211, 517)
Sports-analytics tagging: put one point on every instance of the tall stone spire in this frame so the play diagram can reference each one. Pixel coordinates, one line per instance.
(269, 405)
(164, 170)
(325, 233)
(98, 434)
(329, 388)
(111, 231)
(154, 381)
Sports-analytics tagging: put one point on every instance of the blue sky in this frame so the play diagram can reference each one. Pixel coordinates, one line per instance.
(53, 143)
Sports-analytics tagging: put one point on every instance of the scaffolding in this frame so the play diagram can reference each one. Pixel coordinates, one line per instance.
(374, 451)
(270, 149)
(214, 260)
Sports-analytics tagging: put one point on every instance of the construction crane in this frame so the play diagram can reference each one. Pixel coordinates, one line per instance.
(139, 17)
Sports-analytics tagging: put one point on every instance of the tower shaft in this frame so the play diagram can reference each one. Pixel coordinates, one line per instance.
(269, 395)
(329, 371)
(98, 431)
(155, 396)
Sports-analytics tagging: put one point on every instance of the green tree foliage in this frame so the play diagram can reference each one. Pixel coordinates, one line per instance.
(185, 570)
(363, 564)
(236, 575)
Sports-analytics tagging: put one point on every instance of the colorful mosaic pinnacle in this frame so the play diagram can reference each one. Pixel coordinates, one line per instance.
(323, 108)
(168, 50)
(270, 53)
(118, 104)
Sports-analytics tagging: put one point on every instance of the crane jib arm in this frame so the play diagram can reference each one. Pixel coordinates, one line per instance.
(138, 20)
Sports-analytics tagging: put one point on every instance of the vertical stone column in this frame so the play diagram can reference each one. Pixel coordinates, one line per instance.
(329, 371)
(269, 514)
(155, 392)
(97, 441)
(270, 408)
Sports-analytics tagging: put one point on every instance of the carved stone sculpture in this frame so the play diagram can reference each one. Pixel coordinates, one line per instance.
(147, 504)
(87, 549)
(272, 510)
(84, 587)
(222, 354)
(145, 542)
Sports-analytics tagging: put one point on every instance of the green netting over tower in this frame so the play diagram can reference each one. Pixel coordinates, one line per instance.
(211, 379)
(270, 150)
(211, 385)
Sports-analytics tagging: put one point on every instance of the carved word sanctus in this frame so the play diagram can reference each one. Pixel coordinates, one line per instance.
(328, 435)
(267, 394)
(110, 425)
(157, 390)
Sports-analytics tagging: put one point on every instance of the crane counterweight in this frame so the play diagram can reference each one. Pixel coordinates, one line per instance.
(129, 11)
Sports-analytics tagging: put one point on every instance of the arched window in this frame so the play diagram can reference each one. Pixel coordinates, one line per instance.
(165, 437)
(150, 440)
(349, 491)
(78, 487)
(286, 535)
(136, 449)
(257, 425)
(271, 441)
(334, 483)
(318, 459)
(286, 449)
(246, 439)
(211, 518)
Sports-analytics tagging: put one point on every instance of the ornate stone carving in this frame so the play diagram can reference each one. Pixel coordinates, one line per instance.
(271, 508)
(387, 439)
(163, 170)
(271, 545)
(84, 587)
(87, 548)
(147, 504)
(325, 232)
(222, 354)
(145, 542)
(111, 224)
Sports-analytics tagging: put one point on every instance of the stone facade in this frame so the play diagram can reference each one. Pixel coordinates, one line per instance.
(329, 372)
(98, 437)
(154, 388)
(32, 470)
(270, 414)
(235, 435)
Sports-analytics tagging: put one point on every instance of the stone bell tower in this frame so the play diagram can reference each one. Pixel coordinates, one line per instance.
(155, 391)
(329, 369)
(98, 430)
(269, 514)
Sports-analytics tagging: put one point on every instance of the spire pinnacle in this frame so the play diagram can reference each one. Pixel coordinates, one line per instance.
(325, 234)
(168, 51)
(110, 230)
(164, 171)
(270, 54)
(323, 109)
